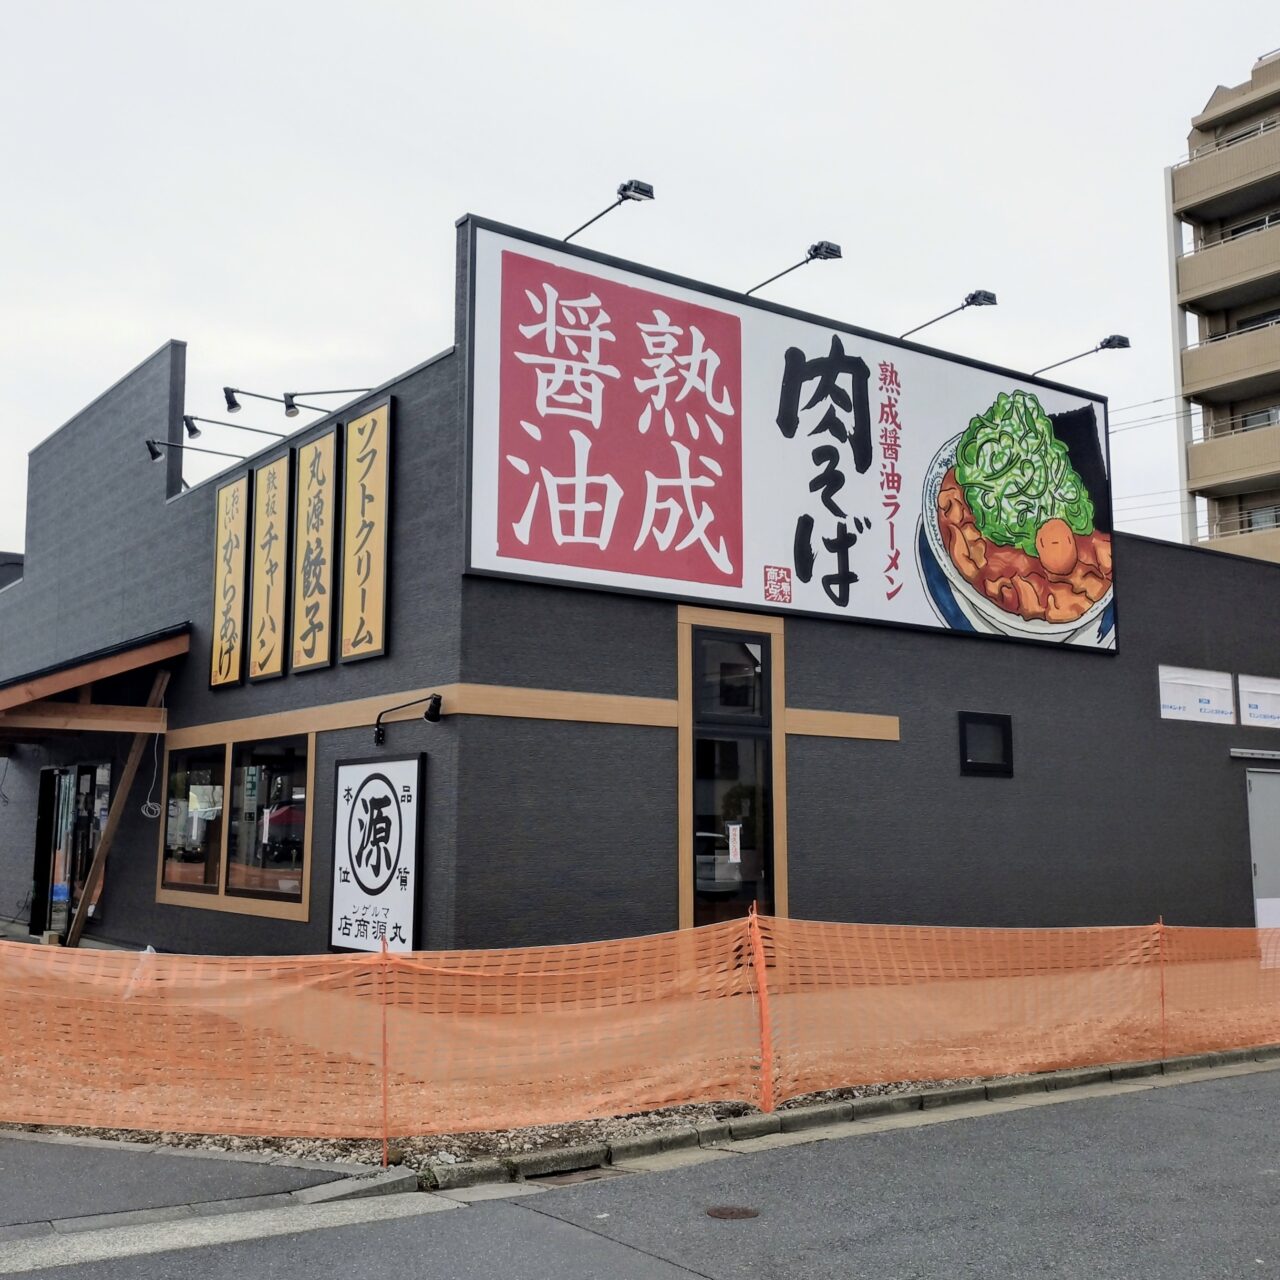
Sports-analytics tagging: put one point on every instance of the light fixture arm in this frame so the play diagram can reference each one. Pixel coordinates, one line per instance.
(1059, 363)
(342, 391)
(935, 320)
(1112, 342)
(235, 426)
(632, 189)
(434, 705)
(189, 448)
(257, 395)
(779, 276)
(589, 221)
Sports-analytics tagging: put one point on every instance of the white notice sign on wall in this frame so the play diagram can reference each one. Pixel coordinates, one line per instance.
(1260, 701)
(1189, 694)
(376, 841)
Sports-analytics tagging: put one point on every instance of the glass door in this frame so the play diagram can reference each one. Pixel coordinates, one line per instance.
(733, 775)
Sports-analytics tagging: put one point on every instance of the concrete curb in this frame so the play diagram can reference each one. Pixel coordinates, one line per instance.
(713, 1134)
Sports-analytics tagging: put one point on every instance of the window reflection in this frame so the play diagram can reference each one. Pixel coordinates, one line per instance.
(269, 817)
(730, 677)
(193, 826)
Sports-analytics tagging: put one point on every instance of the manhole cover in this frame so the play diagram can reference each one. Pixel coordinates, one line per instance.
(732, 1211)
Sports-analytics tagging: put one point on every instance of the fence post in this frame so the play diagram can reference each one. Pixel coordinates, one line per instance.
(1164, 1028)
(766, 1025)
(383, 965)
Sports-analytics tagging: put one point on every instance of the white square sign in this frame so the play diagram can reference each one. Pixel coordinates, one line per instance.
(377, 837)
(1190, 694)
(1260, 701)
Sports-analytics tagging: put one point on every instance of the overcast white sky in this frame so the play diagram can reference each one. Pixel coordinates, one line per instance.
(276, 183)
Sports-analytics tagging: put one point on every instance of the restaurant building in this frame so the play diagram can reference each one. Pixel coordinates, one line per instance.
(643, 602)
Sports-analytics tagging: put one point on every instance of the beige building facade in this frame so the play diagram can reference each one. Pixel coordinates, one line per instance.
(1223, 203)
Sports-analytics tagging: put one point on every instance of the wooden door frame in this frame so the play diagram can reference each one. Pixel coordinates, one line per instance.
(687, 619)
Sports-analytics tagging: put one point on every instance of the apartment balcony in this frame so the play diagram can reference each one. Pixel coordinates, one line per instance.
(1233, 272)
(1235, 463)
(1228, 179)
(1261, 544)
(1234, 366)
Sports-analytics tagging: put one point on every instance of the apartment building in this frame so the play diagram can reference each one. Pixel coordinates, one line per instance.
(1224, 223)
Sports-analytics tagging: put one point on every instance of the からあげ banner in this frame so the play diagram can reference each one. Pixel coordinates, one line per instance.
(231, 553)
(366, 497)
(637, 433)
(314, 519)
(270, 576)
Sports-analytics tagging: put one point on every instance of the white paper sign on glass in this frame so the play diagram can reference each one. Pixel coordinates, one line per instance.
(1190, 694)
(1259, 701)
(638, 433)
(377, 840)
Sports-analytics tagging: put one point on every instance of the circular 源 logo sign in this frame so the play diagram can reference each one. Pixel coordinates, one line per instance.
(374, 834)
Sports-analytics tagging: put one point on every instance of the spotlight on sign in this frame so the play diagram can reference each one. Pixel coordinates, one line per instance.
(821, 251)
(291, 405)
(1112, 342)
(978, 298)
(434, 704)
(633, 189)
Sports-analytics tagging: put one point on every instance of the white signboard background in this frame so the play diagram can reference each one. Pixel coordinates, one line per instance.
(1190, 694)
(1259, 701)
(938, 399)
(375, 870)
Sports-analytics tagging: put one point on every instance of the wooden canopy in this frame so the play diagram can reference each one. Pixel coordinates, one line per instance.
(32, 709)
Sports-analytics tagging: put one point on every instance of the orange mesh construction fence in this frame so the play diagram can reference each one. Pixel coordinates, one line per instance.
(758, 1010)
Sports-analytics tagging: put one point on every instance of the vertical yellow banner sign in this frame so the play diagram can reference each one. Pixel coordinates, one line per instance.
(229, 572)
(267, 633)
(366, 490)
(314, 520)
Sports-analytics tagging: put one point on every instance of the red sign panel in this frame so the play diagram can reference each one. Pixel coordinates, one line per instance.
(619, 432)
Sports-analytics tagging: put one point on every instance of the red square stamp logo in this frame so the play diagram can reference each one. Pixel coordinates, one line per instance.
(777, 584)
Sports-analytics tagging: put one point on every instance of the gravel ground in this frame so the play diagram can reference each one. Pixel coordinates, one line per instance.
(454, 1148)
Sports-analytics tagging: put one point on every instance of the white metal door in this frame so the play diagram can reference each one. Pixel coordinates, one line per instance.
(1264, 842)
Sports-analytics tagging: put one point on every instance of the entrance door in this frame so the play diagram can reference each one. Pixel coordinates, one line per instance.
(1264, 841)
(70, 811)
(733, 775)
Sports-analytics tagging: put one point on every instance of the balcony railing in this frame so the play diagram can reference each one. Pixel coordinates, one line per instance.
(1234, 333)
(1258, 520)
(1234, 233)
(1237, 424)
(1231, 140)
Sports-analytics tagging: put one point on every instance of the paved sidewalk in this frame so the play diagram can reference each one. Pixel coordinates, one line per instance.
(43, 1182)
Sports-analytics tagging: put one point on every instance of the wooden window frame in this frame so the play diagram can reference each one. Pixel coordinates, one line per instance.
(689, 617)
(220, 899)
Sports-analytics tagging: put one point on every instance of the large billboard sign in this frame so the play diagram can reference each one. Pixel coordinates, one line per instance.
(636, 432)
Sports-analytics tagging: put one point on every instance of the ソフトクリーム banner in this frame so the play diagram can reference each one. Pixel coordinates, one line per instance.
(631, 432)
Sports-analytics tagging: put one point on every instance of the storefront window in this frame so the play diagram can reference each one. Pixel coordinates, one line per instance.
(266, 851)
(730, 675)
(193, 829)
(732, 782)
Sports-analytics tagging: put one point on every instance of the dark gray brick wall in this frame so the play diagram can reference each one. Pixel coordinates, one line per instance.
(566, 832)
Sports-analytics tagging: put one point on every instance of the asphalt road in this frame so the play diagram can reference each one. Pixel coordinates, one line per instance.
(1178, 1182)
(40, 1181)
